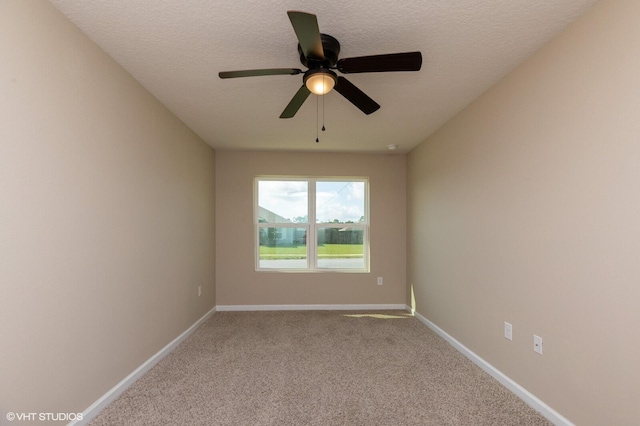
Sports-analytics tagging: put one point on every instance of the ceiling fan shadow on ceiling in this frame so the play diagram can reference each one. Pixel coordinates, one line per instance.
(319, 53)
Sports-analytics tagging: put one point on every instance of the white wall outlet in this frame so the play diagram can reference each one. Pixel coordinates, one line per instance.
(537, 344)
(508, 331)
(379, 280)
(199, 290)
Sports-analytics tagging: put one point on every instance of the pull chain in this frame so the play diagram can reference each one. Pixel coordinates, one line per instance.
(323, 129)
(318, 113)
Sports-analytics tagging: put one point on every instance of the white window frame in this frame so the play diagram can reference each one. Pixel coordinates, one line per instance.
(311, 227)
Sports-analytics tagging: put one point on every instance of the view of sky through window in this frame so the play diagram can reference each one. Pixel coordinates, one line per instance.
(341, 201)
(286, 198)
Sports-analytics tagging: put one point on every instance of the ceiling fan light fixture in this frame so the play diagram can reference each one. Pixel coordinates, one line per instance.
(320, 81)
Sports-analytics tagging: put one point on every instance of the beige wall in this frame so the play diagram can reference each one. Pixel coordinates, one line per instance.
(237, 282)
(526, 208)
(106, 217)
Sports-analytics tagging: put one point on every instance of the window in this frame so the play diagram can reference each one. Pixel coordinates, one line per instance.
(312, 224)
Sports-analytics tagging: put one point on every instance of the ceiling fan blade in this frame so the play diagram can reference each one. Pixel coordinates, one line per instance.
(254, 73)
(409, 61)
(306, 27)
(356, 96)
(294, 105)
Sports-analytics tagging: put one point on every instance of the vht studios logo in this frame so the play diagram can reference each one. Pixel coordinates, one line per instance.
(54, 417)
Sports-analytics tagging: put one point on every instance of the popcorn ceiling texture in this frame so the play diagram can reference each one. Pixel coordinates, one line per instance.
(176, 49)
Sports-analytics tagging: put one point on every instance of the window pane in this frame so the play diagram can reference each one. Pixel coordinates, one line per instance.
(340, 202)
(340, 248)
(283, 248)
(336, 237)
(282, 201)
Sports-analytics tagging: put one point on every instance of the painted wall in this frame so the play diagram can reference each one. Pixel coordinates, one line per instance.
(526, 208)
(106, 217)
(237, 282)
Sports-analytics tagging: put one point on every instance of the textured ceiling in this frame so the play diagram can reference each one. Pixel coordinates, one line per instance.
(176, 48)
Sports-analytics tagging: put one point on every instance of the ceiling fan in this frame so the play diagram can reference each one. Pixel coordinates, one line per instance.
(319, 53)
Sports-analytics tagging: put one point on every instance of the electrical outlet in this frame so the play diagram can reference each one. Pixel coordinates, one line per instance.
(537, 344)
(199, 290)
(379, 280)
(508, 331)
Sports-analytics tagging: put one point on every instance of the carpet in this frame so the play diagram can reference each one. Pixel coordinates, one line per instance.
(316, 368)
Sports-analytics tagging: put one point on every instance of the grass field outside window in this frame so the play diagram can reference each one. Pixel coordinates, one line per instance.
(326, 251)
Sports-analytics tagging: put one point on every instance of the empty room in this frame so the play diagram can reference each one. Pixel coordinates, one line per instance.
(287, 213)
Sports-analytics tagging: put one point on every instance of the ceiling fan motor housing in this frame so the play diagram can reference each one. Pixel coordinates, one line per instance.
(331, 48)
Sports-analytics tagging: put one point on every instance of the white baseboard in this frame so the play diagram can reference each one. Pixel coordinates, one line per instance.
(118, 389)
(222, 308)
(534, 402)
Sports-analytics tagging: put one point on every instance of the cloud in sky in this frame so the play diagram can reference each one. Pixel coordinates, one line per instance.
(342, 200)
(339, 200)
(286, 198)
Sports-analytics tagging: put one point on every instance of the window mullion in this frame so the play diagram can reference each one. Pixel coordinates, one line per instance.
(312, 245)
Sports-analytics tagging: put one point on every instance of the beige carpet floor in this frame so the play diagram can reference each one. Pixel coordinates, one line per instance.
(316, 368)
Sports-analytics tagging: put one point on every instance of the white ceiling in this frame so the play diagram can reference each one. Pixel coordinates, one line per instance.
(176, 48)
